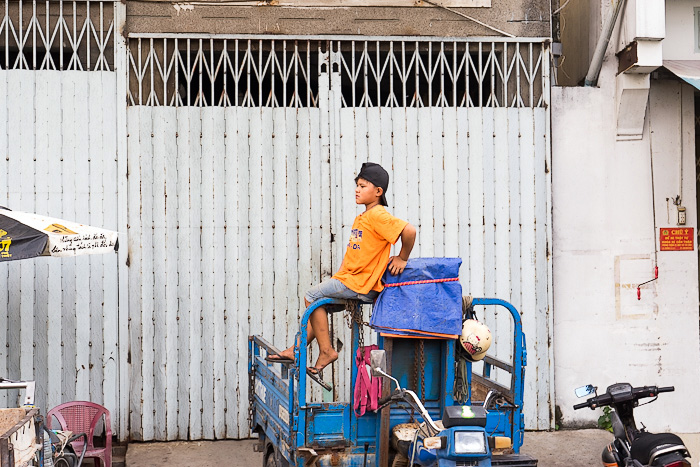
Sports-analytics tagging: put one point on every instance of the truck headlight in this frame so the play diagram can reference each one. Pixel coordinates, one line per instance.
(437, 442)
(470, 442)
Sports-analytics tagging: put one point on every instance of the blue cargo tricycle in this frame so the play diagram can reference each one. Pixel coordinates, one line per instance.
(418, 422)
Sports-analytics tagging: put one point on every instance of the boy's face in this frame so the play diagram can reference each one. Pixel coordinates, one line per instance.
(366, 192)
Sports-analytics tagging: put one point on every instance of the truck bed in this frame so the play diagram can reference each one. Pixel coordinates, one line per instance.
(269, 394)
(323, 427)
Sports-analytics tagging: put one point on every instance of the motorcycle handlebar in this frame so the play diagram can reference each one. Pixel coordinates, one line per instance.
(385, 400)
(637, 393)
(594, 402)
(651, 391)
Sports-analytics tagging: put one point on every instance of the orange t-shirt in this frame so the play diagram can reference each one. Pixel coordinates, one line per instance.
(373, 233)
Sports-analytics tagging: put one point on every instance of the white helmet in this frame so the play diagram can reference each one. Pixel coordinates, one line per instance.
(475, 339)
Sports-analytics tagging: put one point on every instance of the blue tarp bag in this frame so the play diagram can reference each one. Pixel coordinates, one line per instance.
(425, 297)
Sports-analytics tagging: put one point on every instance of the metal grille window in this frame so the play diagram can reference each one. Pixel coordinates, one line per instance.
(57, 35)
(255, 72)
(441, 74)
(226, 72)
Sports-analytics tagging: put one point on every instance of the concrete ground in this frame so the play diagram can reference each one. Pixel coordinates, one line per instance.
(566, 448)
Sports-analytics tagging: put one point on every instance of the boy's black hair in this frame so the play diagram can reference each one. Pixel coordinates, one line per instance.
(377, 176)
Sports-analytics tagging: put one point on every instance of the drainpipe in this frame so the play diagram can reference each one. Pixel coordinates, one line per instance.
(602, 45)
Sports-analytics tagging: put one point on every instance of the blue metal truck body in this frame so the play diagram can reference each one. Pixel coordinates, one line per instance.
(295, 431)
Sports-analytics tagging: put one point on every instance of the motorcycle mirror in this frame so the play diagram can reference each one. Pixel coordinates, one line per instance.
(586, 390)
(377, 360)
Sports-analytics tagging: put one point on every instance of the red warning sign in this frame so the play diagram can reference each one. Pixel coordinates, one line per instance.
(677, 239)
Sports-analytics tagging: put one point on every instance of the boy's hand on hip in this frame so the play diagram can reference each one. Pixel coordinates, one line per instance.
(396, 265)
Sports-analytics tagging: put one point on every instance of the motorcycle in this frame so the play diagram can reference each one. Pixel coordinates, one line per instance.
(460, 437)
(633, 447)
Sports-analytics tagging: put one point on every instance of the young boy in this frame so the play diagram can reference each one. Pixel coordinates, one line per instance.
(364, 263)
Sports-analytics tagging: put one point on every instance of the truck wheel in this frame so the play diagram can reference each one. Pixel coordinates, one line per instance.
(399, 461)
(270, 459)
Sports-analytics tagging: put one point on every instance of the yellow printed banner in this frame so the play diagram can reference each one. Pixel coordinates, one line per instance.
(26, 235)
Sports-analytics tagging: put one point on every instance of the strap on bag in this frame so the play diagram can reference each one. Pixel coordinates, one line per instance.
(367, 389)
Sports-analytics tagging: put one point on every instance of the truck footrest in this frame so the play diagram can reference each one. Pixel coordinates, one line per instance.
(513, 460)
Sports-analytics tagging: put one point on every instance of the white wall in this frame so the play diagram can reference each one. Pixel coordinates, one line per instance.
(679, 43)
(603, 238)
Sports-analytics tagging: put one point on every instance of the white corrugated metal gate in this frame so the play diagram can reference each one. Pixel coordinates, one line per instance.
(231, 172)
(58, 156)
(242, 155)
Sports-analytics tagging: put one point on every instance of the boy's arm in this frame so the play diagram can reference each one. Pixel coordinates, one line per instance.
(408, 238)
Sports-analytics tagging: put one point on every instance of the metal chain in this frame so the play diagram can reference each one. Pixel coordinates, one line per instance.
(353, 313)
(421, 360)
(414, 380)
(414, 376)
(251, 395)
(419, 367)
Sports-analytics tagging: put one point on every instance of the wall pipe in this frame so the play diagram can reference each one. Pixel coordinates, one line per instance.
(602, 45)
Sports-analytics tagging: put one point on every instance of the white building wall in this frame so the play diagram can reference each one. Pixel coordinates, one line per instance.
(681, 39)
(604, 245)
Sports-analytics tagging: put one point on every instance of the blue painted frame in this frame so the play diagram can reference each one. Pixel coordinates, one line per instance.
(303, 420)
(300, 403)
(518, 375)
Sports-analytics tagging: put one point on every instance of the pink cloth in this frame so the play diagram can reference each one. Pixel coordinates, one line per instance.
(367, 389)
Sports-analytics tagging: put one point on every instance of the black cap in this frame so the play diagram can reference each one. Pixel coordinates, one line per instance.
(377, 176)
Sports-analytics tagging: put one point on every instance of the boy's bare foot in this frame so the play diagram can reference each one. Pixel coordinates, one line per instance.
(325, 359)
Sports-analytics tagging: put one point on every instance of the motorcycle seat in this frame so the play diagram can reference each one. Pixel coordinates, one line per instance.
(647, 445)
(467, 415)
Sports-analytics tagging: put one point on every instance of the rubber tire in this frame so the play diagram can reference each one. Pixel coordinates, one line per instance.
(270, 459)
